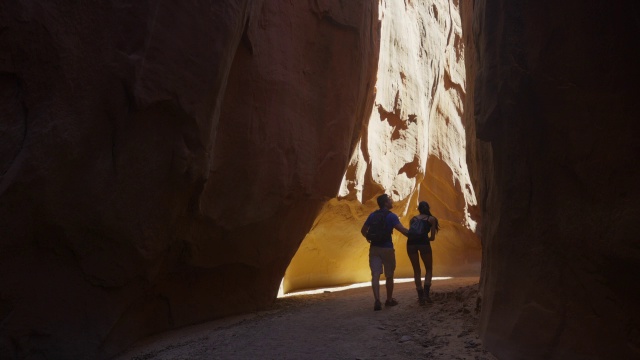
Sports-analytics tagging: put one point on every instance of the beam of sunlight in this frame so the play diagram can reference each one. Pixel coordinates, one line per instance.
(347, 287)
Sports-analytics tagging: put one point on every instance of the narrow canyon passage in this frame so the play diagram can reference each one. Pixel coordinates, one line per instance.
(336, 325)
(167, 163)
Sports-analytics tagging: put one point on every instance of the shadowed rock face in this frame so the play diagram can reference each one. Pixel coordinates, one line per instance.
(160, 162)
(556, 115)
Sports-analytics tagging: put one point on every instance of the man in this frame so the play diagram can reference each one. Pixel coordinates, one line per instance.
(378, 229)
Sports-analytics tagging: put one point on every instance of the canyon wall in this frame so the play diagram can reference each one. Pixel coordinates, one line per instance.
(412, 148)
(556, 121)
(160, 162)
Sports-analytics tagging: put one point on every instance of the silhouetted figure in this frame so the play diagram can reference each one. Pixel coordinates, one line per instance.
(378, 229)
(422, 230)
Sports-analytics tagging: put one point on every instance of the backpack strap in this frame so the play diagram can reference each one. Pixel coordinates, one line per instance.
(385, 212)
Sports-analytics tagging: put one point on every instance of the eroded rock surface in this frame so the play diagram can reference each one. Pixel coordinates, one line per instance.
(161, 161)
(556, 115)
(413, 148)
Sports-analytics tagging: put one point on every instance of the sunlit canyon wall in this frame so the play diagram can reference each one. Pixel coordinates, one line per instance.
(557, 126)
(413, 148)
(162, 161)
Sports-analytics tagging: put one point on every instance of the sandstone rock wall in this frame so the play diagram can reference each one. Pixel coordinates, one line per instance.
(412, 148)
(161, 161)
(555, 114)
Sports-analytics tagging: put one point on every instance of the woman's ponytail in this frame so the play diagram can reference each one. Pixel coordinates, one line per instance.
(423, 208)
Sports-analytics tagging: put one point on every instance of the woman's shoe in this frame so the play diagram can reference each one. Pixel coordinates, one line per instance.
(421, 297)
(391, 302)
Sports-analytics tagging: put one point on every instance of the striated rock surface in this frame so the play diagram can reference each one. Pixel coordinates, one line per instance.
(161, 161)
(413, 148)
(556, 117)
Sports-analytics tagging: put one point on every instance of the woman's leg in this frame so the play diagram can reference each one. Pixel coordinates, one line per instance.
(427, 259)
(412, 251)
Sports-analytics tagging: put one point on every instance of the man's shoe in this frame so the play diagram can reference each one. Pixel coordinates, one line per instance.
(391, 302)
(377, 306)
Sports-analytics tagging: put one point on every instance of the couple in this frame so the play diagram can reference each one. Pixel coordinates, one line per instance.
(382, 254)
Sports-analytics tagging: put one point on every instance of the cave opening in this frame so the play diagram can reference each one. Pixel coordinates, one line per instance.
(414, 148)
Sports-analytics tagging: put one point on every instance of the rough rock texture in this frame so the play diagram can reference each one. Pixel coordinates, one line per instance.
(556, 102)
(120, 213)
(412, 148)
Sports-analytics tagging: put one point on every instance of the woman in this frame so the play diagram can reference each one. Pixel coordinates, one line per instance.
(419, 246)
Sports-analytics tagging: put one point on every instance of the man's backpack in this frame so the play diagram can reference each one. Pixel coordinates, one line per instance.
(378, 233)
(418, 229)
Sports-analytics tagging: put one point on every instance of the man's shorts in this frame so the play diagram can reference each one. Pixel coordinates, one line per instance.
(379, 257)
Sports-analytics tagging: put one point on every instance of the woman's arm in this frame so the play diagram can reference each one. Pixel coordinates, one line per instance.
(433, 223)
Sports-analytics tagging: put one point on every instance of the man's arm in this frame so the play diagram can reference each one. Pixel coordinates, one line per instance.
(364, 231)
(401, 228)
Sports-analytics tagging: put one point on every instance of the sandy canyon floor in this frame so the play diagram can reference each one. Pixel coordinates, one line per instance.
(336, 325)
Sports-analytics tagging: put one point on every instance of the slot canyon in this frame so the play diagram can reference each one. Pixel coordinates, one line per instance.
(168, 163)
